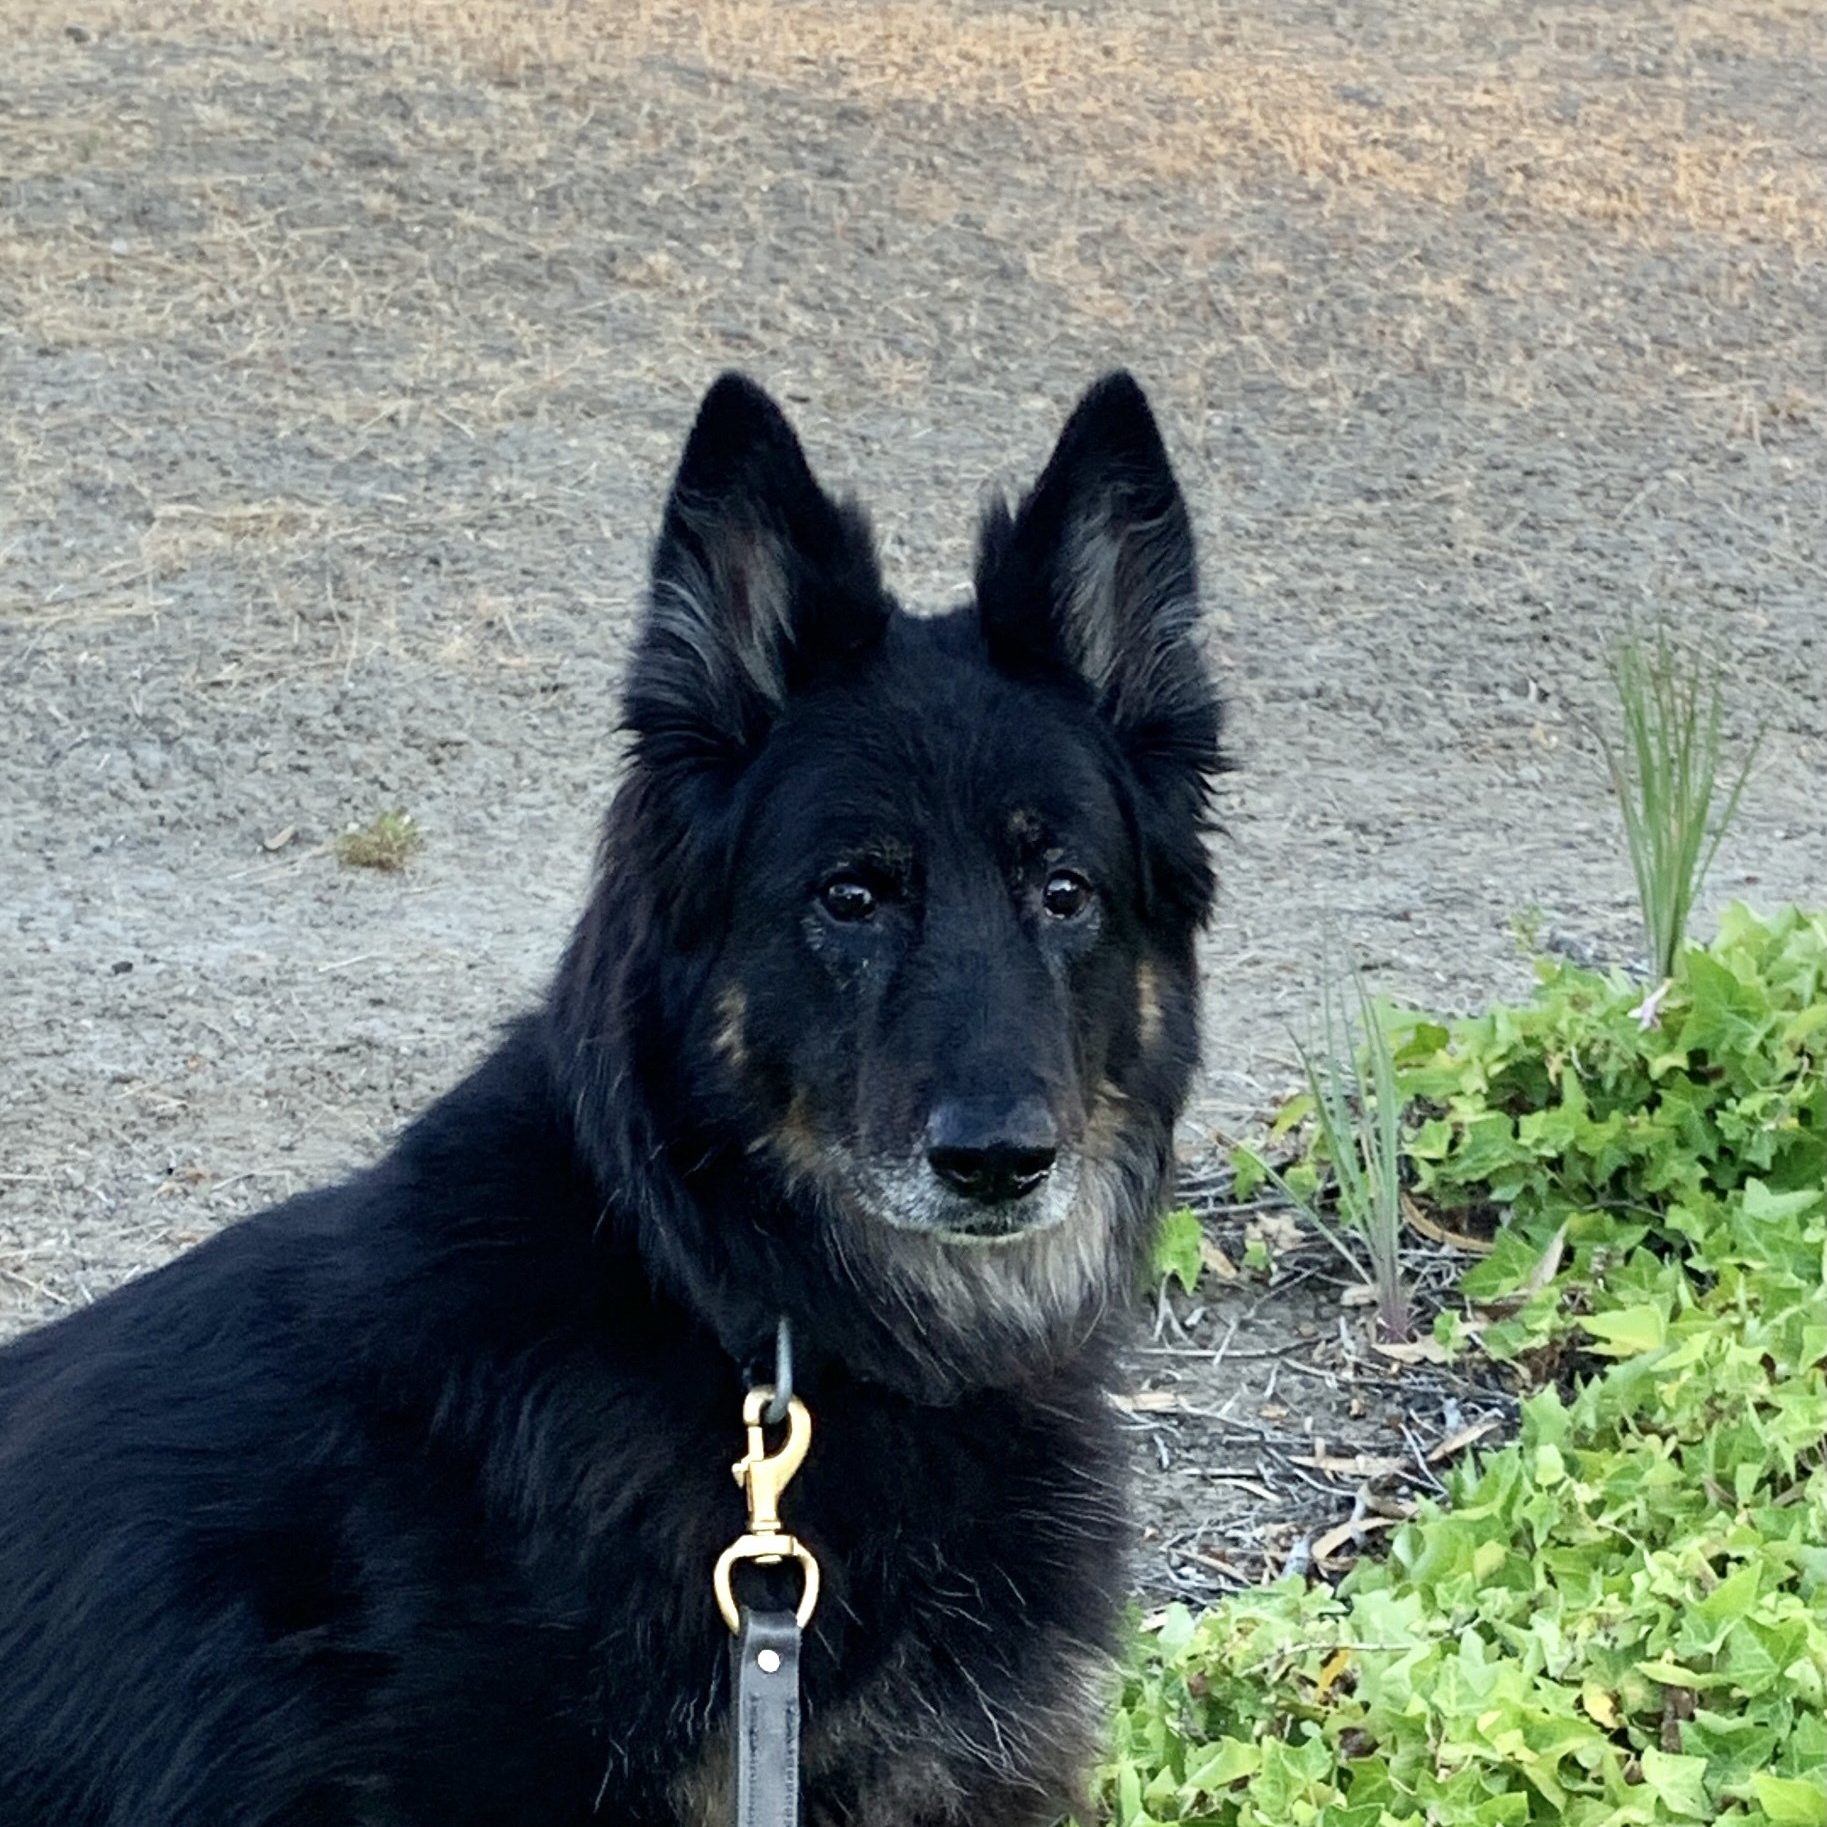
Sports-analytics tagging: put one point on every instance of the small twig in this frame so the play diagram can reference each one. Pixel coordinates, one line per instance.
(1217, 1564)
(1224, 1344)
(1428, 1475)
(1203, 1353)
(37, 1287)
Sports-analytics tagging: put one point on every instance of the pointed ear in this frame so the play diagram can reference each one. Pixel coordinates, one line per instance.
(758, 577)
(1095, 571)
(1094, 576)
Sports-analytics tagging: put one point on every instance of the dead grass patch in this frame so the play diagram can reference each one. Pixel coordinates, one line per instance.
(364, 256)
(1430, 114)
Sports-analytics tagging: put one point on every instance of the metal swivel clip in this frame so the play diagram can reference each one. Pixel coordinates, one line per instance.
(763, 1476)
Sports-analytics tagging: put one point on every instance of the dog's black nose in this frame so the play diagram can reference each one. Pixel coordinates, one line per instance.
(991, 1150)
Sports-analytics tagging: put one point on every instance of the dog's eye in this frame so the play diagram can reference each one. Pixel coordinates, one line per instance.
(1066, 895)
(847, 899)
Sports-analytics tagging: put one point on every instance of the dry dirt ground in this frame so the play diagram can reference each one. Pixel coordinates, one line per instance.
(345, 348)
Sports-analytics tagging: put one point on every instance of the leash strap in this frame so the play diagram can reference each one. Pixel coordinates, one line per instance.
(764, 1670)
(764, 1645)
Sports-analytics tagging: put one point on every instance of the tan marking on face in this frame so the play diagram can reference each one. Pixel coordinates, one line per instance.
(793, 1141)
(1150, 1020)
(1108, 1121)
(1024, 826)
(732, 1008)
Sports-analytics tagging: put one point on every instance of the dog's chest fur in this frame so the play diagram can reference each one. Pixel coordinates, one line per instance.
(960, 1662)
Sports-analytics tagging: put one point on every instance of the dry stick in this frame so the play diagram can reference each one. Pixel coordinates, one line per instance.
(37, 1287)
(1206, 1558)
(1428, 1475)
(1200, 1351)
(1224, 1344)
(1250, 1480)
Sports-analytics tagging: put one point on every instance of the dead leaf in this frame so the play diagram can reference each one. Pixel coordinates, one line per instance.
(1458, 1442)
(1436, 1232)
(1276, 1232)
(1334, 1539)
(1413, 1351)
(1148, 1402)
(1216, 1261)
(1355, 1465)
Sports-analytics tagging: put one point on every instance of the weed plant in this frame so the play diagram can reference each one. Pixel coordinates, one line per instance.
(386, 842)
(1355, 1105)
(1665, 767)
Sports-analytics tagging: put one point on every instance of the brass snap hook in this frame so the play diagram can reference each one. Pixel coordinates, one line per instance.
(763, 1477)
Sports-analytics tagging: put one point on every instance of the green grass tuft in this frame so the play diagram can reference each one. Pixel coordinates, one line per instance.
(1665, 767)
(1356, 1108)
(387, 842)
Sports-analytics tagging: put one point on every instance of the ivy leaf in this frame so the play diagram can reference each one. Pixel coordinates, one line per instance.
(1177, 1251)
(1679, 1783)
(1789, 1799)
(1627, 1332)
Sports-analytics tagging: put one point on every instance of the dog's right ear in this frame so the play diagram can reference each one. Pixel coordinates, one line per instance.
(759, 578)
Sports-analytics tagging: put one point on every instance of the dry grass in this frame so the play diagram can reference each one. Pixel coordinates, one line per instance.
(1182, 95)
(449, 264)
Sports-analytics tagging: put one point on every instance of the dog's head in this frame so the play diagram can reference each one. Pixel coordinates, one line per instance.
(913, 898)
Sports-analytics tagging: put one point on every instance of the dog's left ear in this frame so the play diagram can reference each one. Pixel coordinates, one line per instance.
(1095, 574)
(758, 578)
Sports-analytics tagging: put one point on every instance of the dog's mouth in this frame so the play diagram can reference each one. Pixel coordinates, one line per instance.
(908, 1196)
(997, 1224)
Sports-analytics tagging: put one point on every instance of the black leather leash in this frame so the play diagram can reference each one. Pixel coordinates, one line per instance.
(764, 1650)
(764, 1679)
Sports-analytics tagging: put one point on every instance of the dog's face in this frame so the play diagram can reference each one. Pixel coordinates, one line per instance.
(935, 970)
(929, 886)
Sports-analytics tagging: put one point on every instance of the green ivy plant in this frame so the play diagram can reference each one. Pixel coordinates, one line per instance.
(1620, 1618)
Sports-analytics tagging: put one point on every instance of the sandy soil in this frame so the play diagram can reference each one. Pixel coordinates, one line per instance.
(345, 350)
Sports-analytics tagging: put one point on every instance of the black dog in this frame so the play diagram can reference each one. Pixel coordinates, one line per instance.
(399, 1503)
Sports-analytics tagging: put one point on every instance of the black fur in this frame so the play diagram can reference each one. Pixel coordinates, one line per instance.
(398, 1503)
